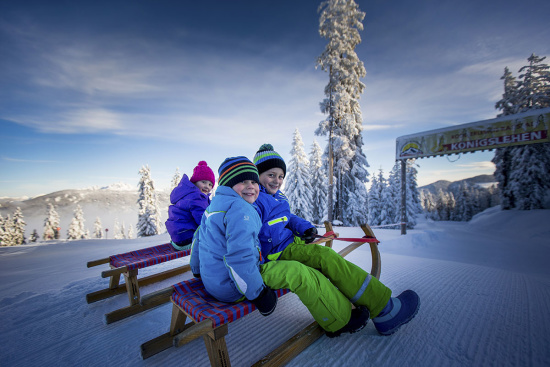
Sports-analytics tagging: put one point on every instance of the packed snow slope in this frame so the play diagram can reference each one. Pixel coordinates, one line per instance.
(484, 287)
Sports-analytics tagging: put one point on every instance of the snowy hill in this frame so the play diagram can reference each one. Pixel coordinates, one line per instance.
(117, 201)
(447, 186)
(484, 286)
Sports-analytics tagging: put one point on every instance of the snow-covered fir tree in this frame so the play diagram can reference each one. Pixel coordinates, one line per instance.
(2, 231)
(51, 224)
(340, 23)
(391, 199)
(8, 232)
(18, 228)
(377, 188)
(131, 233)
(521, 171)
(413, 196)
(117, 233)
(298, 188)
(123, 231)
(98, 228)
(534, 85)
(509, 103)
(149, 214)
(76, 230)
(175, 180)
(318, 180)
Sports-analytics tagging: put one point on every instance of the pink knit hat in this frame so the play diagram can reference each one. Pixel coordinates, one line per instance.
(203, 172)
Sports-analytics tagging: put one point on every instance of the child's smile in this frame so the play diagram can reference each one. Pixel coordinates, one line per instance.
(272, 179)
(248, 190)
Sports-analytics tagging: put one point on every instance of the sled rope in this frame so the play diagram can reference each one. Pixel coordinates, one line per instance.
(363, 239)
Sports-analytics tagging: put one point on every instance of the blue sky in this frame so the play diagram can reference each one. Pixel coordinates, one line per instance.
(90, 91)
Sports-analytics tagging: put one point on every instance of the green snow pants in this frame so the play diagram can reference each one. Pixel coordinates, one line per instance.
(326, 283)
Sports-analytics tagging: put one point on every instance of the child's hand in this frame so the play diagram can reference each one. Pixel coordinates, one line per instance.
(266, 301)
(309, 235)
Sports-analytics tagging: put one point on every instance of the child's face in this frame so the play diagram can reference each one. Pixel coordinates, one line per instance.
(248, 190)
(204, 186)
(272, 179)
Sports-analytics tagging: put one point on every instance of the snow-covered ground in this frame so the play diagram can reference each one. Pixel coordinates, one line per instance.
(484, 287)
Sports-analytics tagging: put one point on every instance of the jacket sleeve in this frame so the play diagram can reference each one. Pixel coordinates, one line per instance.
(197, 207)
(195, 245)
(243, 253)
(298, 225)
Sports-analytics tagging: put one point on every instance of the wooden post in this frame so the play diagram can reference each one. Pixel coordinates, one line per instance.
(216, 347)
(403, 196)
(132, 286)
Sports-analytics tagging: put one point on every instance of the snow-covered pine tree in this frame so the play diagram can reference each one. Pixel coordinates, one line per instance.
(149, 214)
(9, 232)
(131, 231)
(298, 188)
(340, 23)
(520, 171)
(2, 230)
(123, 231)
(98, 228)
(534, 85)
(76, 230)
(378, 185)
(18, 228)
(319, 188)
(51, 224)
(509, 102)
(117, 235)
(413, 196)
(175, 180)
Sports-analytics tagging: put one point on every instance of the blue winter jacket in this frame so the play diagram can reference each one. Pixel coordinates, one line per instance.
(279, 225)
(226, 251)
(185, 213)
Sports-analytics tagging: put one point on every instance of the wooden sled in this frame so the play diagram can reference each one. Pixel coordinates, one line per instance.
(211, 318)
(128, 265)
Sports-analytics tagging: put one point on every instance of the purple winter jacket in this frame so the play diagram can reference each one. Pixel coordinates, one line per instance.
(185, 213)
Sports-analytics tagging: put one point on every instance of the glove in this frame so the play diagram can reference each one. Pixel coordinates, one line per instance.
(266, 301)
(309, 235)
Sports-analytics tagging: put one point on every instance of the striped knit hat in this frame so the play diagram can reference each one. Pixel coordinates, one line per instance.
(237, 169)
(266, 158)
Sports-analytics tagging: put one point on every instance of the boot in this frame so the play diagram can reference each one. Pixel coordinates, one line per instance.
(359, 318)
(399, 311)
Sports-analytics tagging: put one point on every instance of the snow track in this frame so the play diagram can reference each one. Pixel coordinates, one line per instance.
(477, 307)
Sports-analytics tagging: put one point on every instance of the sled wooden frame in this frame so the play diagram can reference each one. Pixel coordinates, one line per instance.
(214, 337)
(131, 286)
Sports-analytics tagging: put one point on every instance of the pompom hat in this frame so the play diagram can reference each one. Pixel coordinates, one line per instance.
(203, 172)
(237, 169)
(267, 158)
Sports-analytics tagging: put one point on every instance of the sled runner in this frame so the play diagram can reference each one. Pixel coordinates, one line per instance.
(128, 264)
(210, 318)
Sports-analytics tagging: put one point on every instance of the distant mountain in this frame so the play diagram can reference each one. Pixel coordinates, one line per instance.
(117, 201)
(446, 186)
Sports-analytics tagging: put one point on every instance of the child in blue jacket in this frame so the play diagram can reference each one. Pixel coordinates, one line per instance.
(189, 200)
(226, 254)
(286, 237)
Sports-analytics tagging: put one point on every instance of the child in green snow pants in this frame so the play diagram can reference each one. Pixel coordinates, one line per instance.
(325, 282)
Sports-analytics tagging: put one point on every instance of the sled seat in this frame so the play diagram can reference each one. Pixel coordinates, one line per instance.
(210, 318)
(128, 265)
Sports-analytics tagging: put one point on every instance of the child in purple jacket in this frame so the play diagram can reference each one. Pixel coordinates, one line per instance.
(189, 201)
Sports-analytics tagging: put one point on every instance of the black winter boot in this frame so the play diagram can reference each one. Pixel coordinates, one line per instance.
(359, 318)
